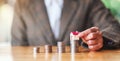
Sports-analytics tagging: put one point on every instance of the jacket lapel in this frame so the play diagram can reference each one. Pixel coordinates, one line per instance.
(40, 13)
(67, 15)
(41, 17)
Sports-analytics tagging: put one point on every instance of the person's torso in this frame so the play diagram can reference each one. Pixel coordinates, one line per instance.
(74, 18)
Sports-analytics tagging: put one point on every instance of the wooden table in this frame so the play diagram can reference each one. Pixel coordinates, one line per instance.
(26, 54)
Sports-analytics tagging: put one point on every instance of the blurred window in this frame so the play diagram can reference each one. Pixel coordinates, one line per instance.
(6, 17)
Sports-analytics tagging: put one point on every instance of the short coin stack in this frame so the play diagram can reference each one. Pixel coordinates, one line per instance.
(36, 50)
(48, 49)
(60, 47)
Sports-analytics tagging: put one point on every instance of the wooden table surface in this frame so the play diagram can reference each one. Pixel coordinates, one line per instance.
(26, 54)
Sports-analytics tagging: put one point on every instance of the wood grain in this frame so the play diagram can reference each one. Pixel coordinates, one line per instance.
(26, 54)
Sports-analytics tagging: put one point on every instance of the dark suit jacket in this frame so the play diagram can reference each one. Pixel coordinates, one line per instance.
(31, 24)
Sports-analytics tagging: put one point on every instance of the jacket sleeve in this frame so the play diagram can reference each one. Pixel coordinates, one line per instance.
(19, 37)
(108, 25)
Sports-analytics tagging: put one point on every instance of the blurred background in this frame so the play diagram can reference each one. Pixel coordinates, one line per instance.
(6, 17)
(7, 11)
(114, 7)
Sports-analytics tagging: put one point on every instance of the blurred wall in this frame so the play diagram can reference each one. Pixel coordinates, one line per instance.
(6, 17)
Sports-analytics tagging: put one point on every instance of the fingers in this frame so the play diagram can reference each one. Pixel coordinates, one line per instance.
(95, 47)
(92, 42)
(95, 44)
(86, 32)
(92, 37)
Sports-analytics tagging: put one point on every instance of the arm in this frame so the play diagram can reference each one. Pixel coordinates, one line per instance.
(107, 31)
(107, 24)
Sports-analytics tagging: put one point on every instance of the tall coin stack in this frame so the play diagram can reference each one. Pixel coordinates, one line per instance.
(74, 42)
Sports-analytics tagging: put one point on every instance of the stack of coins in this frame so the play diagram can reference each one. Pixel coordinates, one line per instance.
(60, 47)
(48, 49)
(36, 50)
(74, 42)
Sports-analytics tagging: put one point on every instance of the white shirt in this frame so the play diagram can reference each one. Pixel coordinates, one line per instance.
(54, 10)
